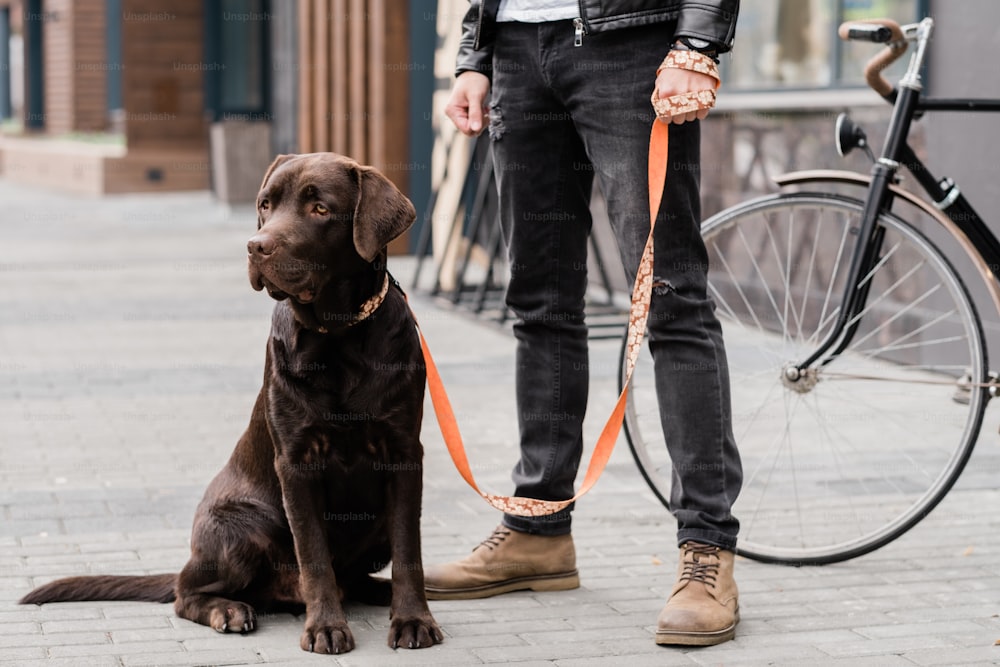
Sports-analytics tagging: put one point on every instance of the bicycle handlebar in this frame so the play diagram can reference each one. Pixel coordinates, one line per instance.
(884, 31)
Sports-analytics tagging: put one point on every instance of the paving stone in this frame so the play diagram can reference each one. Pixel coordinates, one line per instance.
(984, 655)
(609, 648)
(88, 661)
(734, 653)
(551, 638)
(35, 639)
(59, 510)
(14, 657)
(524, 628)
(805, 620)
(132, 609)
(595, 623)
(20, 628)
(892, 646)
(947, 628)
(179, 634)
(20, 527)
(499, 636)
(78, 559)
(220, 657)
(659, 658)
(104, 624)
(83, 653)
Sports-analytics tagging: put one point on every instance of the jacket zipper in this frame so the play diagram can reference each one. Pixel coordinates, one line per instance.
(479, 27)
(579, 26)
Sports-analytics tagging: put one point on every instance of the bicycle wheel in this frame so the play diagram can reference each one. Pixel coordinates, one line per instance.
(839, 466)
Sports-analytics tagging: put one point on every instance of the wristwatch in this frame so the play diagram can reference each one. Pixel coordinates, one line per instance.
(702, 46)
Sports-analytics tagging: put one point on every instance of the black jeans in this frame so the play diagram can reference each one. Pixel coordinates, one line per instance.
(560, 115)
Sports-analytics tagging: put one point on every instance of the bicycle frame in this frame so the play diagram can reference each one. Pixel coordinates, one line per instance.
(951, 209)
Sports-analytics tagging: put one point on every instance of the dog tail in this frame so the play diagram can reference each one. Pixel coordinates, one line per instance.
(149, 588)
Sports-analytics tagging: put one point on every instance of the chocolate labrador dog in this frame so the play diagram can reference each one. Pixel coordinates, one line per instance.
(324, 486)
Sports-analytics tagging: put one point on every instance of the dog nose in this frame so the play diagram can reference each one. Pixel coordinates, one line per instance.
(260, 244)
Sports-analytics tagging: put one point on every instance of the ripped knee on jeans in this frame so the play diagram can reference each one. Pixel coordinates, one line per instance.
(496, 127)
(661, 287)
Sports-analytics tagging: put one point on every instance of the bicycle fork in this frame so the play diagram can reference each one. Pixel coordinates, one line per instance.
(864, 259)
(868, 246)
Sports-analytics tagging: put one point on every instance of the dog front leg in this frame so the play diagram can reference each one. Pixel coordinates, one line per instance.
(326, 628)
(412, 625)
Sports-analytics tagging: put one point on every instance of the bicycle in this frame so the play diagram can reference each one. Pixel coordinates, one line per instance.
(841, 311)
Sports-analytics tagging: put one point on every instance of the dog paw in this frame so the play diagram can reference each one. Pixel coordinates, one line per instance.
(416, 631)
(233, 617)
(332, 638)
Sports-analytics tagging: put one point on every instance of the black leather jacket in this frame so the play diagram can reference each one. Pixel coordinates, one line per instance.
(712, 20)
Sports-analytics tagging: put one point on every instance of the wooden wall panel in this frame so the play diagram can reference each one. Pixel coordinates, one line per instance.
(162, 85)
(304, 59)
(321, 72)
(75, 62)
(357, 69)
(354, 61)
(90, 73)
(339, 55)
(57, 44)
(377, 93)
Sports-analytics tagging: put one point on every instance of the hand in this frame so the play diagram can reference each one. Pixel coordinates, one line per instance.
(672, 81)
(467, 105)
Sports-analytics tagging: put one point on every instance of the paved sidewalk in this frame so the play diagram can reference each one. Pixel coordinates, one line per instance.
(131, 348)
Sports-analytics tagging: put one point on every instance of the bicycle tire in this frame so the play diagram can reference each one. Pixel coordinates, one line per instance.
(812, 461)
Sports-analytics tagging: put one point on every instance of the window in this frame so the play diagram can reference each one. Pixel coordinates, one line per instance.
(793, 44)
(237, 58)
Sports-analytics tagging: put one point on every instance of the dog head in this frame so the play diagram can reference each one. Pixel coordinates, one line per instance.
(321, 216)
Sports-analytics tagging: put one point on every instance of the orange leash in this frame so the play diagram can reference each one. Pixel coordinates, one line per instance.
(638, 313)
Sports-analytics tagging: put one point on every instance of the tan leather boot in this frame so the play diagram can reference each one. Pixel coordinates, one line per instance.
(506, 561)
(703, 608)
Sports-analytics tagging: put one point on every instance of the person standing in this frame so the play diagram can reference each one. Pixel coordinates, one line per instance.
(569, 84)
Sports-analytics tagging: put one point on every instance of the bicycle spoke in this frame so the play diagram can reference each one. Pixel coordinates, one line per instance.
(902, 423)
(739, 290)
(750, 478)
(810, 268)
(760, 273)
(895, 316)
(781, 440)
(823, 319)
(826, 428)
(791, 461)
(783, 269)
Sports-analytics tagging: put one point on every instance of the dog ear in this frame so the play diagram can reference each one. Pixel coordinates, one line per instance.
(278, 161)
(381, 214)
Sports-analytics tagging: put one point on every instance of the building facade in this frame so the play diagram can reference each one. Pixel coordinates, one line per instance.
(165, 95)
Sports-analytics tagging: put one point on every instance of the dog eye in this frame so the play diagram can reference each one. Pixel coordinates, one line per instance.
(322, 210)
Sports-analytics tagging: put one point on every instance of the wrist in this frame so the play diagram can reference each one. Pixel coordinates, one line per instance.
(701, 46)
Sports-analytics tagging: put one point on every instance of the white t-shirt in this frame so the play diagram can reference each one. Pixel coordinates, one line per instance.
(537, 11)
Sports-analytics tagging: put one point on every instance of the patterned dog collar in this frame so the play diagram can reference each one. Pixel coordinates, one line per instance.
(372, 304)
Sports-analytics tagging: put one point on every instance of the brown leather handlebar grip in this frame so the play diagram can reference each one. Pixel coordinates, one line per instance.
(880, 61)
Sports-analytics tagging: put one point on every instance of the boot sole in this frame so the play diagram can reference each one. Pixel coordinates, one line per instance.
(678, 638)
(543, 583)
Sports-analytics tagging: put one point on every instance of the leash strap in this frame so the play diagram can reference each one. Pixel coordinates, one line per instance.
(638, 313)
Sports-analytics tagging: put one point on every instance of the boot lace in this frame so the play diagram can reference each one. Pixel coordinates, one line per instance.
(499, 535)
(699, 564)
